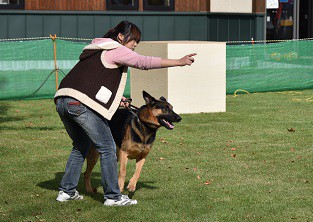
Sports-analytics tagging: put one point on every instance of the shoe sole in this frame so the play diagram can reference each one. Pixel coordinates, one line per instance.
(65, 200)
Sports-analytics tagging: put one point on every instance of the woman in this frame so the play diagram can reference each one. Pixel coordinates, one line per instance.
(90, 94)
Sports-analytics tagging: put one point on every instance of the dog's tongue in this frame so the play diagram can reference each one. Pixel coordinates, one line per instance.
(169, 124)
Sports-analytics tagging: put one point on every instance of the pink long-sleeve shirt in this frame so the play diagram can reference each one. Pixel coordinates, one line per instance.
(125, 56)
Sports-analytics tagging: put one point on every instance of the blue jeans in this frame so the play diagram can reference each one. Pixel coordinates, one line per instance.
(85, 126)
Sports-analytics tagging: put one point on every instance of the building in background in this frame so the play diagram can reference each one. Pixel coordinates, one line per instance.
(289, 19)
(204, 20)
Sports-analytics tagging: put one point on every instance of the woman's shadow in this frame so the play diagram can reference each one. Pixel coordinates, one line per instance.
(53, 184)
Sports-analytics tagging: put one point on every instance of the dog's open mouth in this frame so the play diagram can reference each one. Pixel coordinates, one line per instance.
(167, 124)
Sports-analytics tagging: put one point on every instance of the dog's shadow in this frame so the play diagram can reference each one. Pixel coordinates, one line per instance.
(53, 184)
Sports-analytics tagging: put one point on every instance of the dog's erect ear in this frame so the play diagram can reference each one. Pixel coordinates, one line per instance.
(162, 99)
(148, 98)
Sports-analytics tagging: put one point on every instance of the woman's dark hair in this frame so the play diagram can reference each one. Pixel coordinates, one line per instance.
(128, 29)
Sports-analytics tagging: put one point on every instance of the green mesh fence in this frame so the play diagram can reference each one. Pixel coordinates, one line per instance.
(27, 67)
(24, 66)
(270, 67)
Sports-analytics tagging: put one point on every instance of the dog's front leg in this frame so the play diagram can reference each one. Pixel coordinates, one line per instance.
(122, 173)
(92, 158)
(133, 181)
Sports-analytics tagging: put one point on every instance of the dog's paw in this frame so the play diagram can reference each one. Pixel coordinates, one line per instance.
(131, 187)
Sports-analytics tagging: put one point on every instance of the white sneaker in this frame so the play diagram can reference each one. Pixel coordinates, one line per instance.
(124, 201)
(65, 197)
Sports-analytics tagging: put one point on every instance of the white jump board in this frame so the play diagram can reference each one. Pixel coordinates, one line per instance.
(198, 88)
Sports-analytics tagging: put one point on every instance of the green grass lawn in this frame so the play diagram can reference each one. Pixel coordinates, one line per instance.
(241, 165)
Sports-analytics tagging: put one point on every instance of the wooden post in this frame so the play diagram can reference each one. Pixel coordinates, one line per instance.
(53, 37)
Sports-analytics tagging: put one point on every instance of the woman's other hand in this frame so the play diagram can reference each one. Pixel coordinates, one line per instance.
(124, 103)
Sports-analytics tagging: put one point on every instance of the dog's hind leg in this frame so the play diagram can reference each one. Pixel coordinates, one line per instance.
(133, 181)
(92, 158)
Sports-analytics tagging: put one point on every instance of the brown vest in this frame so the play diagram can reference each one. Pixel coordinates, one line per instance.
(95, 83)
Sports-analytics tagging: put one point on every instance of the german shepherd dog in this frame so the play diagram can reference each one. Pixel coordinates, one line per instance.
(134, 134)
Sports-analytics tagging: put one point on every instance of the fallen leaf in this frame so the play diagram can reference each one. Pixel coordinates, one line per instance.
(233, 155)
(291, 129)
(207, 182)
(163, 140)
(194, 169)
(198, 177)
(161, 158)
(233, 149)
(292, 149)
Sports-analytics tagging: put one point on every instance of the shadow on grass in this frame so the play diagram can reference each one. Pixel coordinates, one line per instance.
(31, 128)
(53, 184)
(4, 117)
(140, 185)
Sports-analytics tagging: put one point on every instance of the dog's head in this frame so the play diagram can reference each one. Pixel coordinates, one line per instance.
(160, 112)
